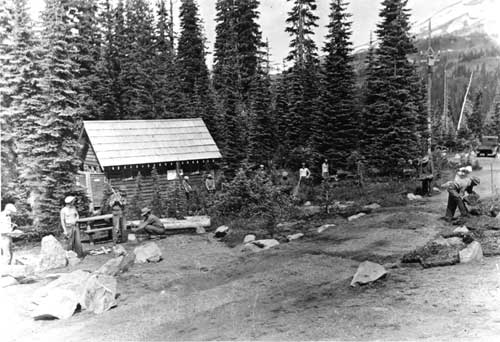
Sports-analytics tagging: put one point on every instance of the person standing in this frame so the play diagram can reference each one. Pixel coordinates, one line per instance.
(5, 229)
(150, 225)
(426, 176)
(118, 204)
(325, 171)
(69, 218)
(210, 184)
(304, 172)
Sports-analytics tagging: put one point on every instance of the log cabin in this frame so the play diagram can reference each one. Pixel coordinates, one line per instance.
(114, 152)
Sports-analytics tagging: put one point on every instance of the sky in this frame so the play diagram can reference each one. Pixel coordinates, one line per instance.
(274, 13)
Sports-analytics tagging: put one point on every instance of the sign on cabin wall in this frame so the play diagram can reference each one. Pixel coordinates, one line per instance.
(172, 174)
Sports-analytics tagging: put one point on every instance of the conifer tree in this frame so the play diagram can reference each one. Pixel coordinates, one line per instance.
(51, 149)
(391, 89)
(336, 126)
(191, 66)
(303, 76)
(475, 121)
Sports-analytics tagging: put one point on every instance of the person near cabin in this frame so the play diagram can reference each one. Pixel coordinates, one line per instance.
(210, 183)
(188, 190)
(150, 224)
(426, 176)
(325, 172)
(457, 192)
(6, 227)
(69, 217)
(304, 173)
(118, 204)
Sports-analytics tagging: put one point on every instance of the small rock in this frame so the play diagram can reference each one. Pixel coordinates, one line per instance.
(461, 230)
(221, 231)
(473, 252)
(266, 243)
(368, 272)
(111, 267)
(418, 197)
(373, 206)
(250, 248)
(325, 227)
(147, 252)
(127, 262)
(8, 281)
(119, 250)
(294, 236)
(249, 238)
(99, 293)
(355, 217)
(52, 254)
(16, 271)
(436, 190)
(456, 241)
(200, 230)
(307, 204)
(411, 197)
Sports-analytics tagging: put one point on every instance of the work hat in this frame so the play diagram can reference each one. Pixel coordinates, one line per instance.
(186, 177)
(69, 199)
(468, 169)
(210, 176)
(10, 208)
(145, 211)
(475, 180)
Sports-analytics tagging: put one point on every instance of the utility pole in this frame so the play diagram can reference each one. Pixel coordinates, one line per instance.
(445, 101)
(430, 64)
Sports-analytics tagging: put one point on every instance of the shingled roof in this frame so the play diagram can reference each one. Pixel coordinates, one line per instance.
(134, 142)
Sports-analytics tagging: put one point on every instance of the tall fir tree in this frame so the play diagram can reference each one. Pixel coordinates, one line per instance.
(336, 130)
(302, 77)
(392, 89)
(193, 75)
(52, 149)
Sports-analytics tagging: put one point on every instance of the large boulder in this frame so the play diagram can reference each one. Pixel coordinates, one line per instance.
(266, 243)
(149, 252)
(368, 272)
(99, 294)
(60, 297)
(473, 252)
(52, 254)
(111, 267)
(439, 252)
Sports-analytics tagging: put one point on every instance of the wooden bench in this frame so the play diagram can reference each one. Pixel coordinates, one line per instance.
(96, 224)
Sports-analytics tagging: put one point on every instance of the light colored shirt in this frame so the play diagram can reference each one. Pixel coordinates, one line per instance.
(304, 172)
(5, 223)
(69, 216)
(324, 168)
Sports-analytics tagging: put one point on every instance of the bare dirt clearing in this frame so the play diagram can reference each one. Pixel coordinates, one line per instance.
(203, 290)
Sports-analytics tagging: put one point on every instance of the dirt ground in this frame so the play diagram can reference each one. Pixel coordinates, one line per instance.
(203, 290)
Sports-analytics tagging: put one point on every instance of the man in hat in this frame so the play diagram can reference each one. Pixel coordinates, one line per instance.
(69, 217)
(5, 230)
(187, 191)
(118, 204)
(150, 225)
(457, 192)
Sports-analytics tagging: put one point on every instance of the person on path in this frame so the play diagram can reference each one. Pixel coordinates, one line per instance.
(6, 227)
(426, 176)
(118, 204)
(325, 172)
(150, 225)
(456, 194)
(69, 217)
(304, 172)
